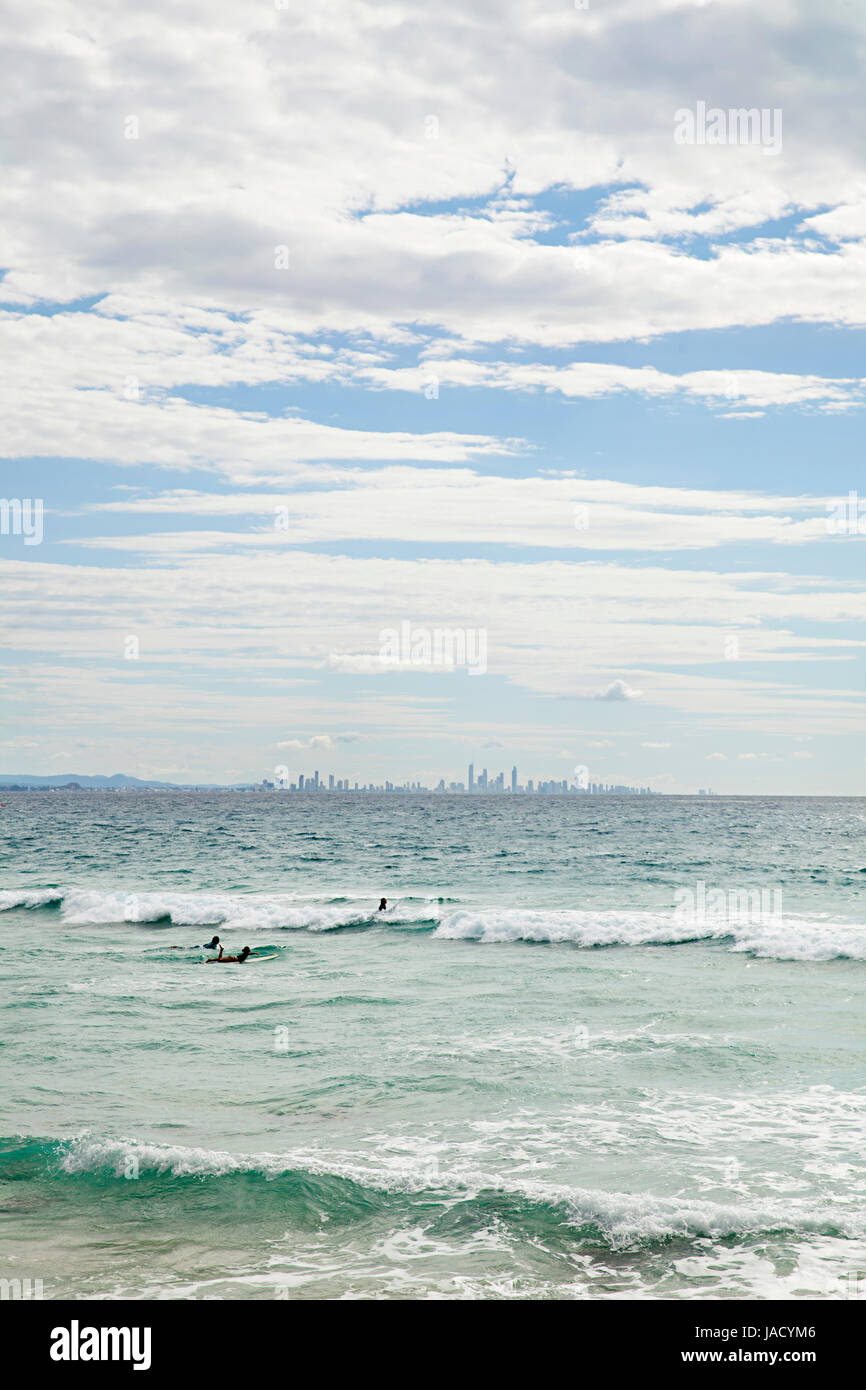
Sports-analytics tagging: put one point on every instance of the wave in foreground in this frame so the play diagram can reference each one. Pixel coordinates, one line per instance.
(788, 937)
(298, 1189)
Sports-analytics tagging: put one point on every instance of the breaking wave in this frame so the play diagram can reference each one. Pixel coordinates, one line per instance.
(792, 937)
(309, 1193)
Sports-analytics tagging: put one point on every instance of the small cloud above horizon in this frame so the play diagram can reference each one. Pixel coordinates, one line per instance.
(618, 690)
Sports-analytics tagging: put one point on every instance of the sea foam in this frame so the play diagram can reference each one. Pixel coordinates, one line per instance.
(794, 937)
(621, 1219)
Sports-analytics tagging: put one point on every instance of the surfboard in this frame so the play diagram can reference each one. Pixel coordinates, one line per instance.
(250, 958)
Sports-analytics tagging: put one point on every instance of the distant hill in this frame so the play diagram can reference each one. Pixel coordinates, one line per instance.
(119, 779)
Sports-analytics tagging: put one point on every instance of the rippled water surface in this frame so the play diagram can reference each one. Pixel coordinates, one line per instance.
(597, 1047)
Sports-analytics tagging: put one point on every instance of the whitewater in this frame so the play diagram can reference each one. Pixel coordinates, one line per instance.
(600, 1047)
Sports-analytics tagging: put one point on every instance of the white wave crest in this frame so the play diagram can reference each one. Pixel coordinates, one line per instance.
(789, 938)
(794, 937)
(24, 897)
(624, 1219)
(242, 912)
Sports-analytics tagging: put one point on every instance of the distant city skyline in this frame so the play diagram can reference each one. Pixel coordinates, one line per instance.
(481, 785)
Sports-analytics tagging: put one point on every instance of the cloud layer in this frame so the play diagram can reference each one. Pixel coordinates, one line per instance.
(289, 299)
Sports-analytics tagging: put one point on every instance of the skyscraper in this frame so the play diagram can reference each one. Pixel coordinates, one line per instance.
(472, 777)
(514, 779)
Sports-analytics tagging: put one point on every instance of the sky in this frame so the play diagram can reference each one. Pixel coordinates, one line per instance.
(325, 325)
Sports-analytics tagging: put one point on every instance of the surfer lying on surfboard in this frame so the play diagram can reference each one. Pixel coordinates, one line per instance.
(208, 946)
(228, 960)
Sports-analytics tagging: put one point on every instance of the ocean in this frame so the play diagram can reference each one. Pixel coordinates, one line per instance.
(597, 1047)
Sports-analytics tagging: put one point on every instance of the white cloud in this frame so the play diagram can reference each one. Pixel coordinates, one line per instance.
(459, 505)
(318, 741)
(618, 690)
(594, 379)
(229, 164)
(420, 169)
(70, 391)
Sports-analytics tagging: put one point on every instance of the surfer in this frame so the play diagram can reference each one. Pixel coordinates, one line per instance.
(228, 960)
(208, 946)
(383, 904)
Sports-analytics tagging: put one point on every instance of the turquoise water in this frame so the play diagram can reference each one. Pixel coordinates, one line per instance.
(598, 1047)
